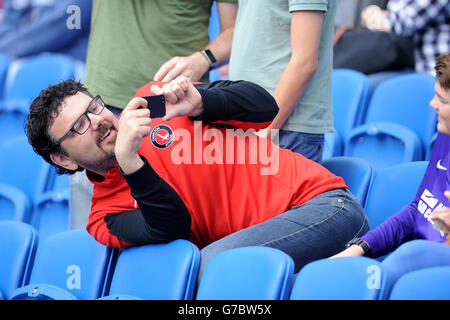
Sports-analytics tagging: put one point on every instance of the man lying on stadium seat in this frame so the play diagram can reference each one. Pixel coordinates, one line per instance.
(198, 173)
(427, 216)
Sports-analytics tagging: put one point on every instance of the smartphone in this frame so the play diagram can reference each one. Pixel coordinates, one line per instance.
(157, 106)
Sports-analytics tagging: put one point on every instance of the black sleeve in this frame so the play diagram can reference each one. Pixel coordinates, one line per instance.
(162, 217)
(241, 101)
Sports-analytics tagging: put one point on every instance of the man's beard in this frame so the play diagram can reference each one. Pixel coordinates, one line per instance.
(108, 161)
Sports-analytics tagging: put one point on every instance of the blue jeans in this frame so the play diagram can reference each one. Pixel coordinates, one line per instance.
(307, 144)
(317, 229)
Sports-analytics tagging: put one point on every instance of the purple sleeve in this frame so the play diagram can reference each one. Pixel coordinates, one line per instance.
(393, 232)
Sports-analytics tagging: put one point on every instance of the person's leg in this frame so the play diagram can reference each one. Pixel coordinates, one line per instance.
(415, 255)
(317, 229)
(308, 145)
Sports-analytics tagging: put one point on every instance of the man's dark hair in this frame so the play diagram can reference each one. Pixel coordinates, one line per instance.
(43, 111)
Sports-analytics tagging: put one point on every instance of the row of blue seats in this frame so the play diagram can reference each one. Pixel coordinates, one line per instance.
(381, 193)
(72, 266)
(30, 190)
(394, 117)
(29, 186)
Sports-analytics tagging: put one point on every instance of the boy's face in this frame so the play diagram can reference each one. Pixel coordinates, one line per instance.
(93, 150)
(441, 103)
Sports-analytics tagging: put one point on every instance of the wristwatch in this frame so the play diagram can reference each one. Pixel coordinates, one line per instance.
(210, 58)
(360, 242)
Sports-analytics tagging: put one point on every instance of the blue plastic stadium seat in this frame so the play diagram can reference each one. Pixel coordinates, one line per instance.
(403, 102)
(51, 213)
(12, 119)
(425, 284)
(247, 273)
(415, 255)
(351, 91)
(156, 271)
(392, 189)
(32, 75)
(71, 261)
(18, 243)
(357, 173)
(22, 168)
(53, 181)
(350, 278)
(397, 144)
(42, 292)
(14, 204)
(37, 73)
(332, 145)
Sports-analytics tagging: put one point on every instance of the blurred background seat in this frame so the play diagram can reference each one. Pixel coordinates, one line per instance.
(350, 93)
(394, 120)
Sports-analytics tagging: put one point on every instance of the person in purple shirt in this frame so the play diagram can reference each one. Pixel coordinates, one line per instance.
(417, 236)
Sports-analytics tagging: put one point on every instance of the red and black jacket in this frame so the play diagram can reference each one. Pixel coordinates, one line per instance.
(203, 179)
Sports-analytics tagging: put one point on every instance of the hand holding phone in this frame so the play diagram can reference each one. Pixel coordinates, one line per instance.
(157, 106)
(182, 98)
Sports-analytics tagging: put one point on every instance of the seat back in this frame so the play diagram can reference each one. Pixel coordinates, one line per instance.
(37, 73)
(12, 119)
(357, 173)
(18, 243)
(405, 100)
(392, 189)
(14, 204)
(397, 143)
(425, 284)
(72, 261)
(351, 90)
(350, 278)
(51, 213)
(247, 273)
(22, 168)
(332, 145)
(156, 271)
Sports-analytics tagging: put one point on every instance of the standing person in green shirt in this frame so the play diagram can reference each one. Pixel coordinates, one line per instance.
(286, 46)
(131, 40)
(135, 41)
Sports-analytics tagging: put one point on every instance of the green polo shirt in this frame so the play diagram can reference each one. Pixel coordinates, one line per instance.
(131, 39)
(262, 50)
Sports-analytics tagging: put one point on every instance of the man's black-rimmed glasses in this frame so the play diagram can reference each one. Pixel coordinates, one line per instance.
(82, 124)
